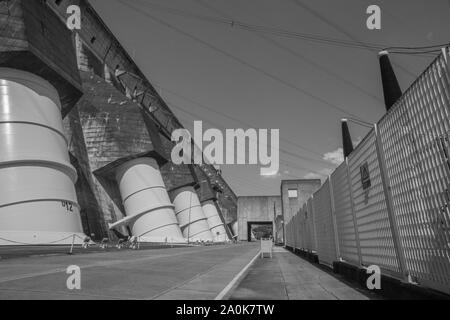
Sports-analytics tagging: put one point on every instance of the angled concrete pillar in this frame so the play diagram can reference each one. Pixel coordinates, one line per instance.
(190, 215)
(146, 201)
(126, 155)
(216, 224)
(391, 87)
(208, 200)
(181, 183)
(39, 85)
(90, 208)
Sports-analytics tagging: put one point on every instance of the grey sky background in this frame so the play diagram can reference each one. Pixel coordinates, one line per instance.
(234, 78)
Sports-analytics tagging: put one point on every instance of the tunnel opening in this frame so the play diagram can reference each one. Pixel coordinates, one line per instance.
(259, 230)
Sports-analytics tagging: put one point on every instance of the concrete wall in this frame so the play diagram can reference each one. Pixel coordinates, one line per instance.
(107, 118)
(256, 209)
(94, 224)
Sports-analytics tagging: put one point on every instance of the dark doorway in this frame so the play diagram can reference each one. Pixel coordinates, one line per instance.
(259, 230)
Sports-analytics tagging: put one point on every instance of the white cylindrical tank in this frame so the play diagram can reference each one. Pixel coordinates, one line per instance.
(190, 215)
(38, 203)
(215, 223)
(235, 229)
(147, 205)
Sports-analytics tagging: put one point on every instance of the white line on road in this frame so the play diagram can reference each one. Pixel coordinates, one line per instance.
(236, 279)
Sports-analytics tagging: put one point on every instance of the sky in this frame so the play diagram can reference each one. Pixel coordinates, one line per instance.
(232, 78)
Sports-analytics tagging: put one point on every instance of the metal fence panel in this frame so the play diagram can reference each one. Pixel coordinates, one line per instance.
(311, 241)
(304, 228)
(344, 217)
(326, 247)
(370, 207)
(415, 140)
(286, 234)
(289, 234)
(298, 229)
(292, 233)
(295, 231)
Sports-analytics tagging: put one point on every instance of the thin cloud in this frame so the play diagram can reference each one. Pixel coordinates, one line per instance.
(319, 175)
(337, 156)
(271, 175)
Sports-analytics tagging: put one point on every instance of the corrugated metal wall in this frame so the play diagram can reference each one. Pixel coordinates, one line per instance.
(369, 204)
(388, 204)
(323, 220)
(302, 228)
(345, 224)
(311, 240)
(415, 140)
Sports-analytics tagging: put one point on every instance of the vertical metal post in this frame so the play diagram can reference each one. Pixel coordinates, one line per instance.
(355, 226)
(390, 208)
(73, 241)
(333, 217)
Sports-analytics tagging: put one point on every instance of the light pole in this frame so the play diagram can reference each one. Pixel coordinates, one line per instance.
(360, 122)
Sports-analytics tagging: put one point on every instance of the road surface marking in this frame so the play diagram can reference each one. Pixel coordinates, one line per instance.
(235, 280)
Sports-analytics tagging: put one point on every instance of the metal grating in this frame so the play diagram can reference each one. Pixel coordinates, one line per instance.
(369, 204)
(343, 213)
(326, 247)
(311, 240)
(415, 139)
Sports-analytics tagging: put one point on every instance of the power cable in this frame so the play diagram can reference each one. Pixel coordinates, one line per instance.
(264, 29)
(196, 103)
(343, 31)
(415, 52)
(437, 46)
(243, 62)
(195, 116)
(301, 56)
(282, 161)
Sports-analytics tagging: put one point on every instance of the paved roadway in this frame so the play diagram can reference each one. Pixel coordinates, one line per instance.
(172, 273)
(191, 273)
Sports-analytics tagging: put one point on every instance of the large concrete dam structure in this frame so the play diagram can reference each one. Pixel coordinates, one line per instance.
(85, 141)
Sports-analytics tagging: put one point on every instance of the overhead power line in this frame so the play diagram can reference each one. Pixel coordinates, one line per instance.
(265, 29)
(298, 55)
(336, 26)
(243, 62)
(283, 151)
(241, 122)
(437, 47)
(415, 52)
